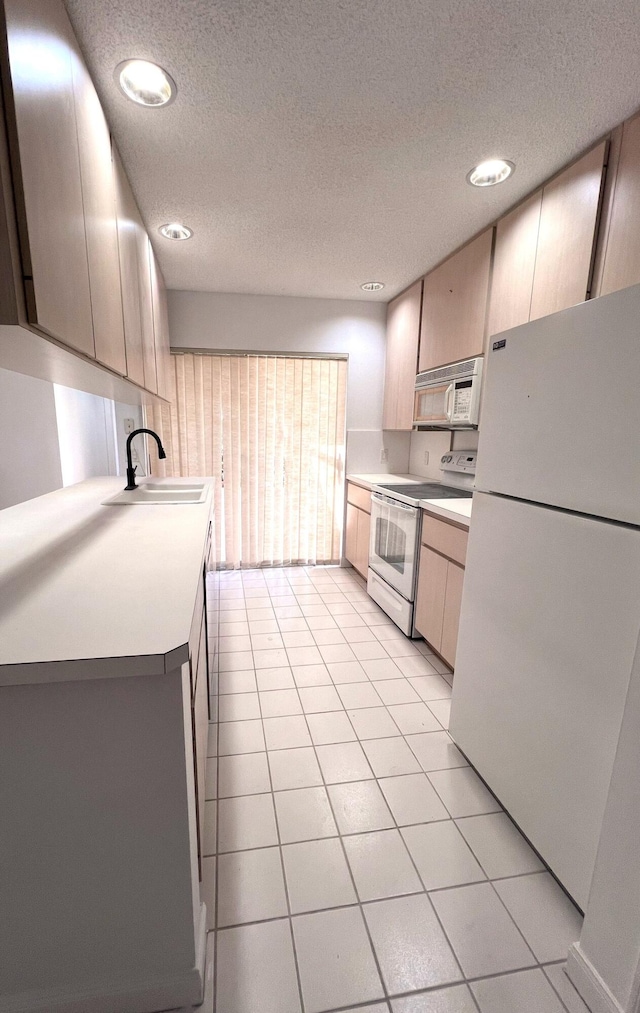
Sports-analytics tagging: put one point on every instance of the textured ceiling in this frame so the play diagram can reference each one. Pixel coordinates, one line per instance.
(318, 144)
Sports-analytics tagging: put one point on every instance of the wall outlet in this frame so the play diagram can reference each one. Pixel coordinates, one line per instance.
(384, 455)
(129, 426)
(426, 457)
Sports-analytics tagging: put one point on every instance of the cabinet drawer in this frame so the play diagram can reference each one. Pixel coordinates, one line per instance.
(359, 497)
(445, 538)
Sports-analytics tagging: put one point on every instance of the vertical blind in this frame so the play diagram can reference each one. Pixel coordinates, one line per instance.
(271, 431)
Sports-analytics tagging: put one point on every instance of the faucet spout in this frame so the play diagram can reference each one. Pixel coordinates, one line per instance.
(131, 470)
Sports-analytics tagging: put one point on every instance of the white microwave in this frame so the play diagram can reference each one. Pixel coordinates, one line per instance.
(448, 397)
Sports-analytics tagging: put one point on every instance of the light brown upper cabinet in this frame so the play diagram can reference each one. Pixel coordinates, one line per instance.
(568, 220)
(129, 245)
(621, 266)
(135, 277)
(454, 305)
(98, 189)
(514, 262)
(71, 235)
(146, 308)
(43, 138)
(544, 247)
(160, 324)
(403, 336)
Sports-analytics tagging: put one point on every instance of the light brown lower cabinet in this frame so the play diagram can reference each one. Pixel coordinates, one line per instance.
(438, 601)
(356, 546)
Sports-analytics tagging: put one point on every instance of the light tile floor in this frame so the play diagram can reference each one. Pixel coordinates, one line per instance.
(360, 862)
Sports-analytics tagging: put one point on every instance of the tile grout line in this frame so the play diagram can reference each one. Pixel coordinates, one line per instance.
(405, 737)
(284, 875)
(348, 864)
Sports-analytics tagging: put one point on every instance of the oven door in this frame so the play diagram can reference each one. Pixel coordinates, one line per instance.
(393, 542)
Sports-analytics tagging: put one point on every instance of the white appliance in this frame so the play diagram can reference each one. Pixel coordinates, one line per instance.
(396, 521)
(551, 604)
(448, 397)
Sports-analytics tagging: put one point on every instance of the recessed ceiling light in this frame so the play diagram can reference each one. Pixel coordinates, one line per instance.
(175, 231)
(145, 83)
(372, 286)
(496, 170)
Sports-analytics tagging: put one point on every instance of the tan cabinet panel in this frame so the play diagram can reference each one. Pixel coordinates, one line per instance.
(447, 539)
(351, 534)
(46, 169)
(401, 366)
(514, 262)
(451, 619)
(160, 323)
(568, 220)
(98, 191)
(146, 307)
(432, 584)
(454, 305)
(362, 550)
(622, 255)
(359, 497)
(128, 244)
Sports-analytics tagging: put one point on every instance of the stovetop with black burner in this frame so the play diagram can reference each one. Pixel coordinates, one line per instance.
(427, 490)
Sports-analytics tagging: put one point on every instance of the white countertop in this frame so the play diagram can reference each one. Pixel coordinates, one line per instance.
(82, 583)
(367, 481)
(458, 510)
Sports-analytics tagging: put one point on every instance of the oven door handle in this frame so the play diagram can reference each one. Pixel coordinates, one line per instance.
(389, 501)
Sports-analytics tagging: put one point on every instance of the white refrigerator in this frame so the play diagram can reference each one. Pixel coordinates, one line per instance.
(551, 604)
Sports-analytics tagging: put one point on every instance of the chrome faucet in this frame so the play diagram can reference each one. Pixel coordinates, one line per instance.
(131, 471)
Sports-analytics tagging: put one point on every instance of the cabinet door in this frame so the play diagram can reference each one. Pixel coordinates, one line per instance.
(514, 262)
(451, 618)
(622, 255)
(568, 220)
(432, 584)
(46, 170)
(160, 324)
(454, 305)
(401, 365)
(351, 535)
(128, 244)
(146, 306)
(362, 549)
(98, 191)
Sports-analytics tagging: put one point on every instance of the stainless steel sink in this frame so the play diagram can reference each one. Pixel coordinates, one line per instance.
(160, 492)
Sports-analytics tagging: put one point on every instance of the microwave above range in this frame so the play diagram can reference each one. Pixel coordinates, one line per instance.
(448, 397)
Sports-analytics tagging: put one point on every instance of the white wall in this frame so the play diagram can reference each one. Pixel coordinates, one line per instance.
(86, 434)
(29, 452)
(52, 436)
(286, 324)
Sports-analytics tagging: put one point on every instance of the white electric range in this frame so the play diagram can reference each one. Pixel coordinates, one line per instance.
(396, 521)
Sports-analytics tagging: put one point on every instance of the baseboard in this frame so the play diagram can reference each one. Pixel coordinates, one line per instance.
(170, 992)
(588, 983)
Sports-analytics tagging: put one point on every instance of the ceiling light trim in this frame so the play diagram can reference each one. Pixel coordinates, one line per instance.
(491, 172)
(372, 286)
(175, 231)
(154, 87)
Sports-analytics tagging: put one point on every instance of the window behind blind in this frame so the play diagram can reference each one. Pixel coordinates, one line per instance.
(271, 431)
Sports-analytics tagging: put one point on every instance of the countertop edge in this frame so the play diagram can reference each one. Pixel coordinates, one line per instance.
(446, 514)
(82, 669)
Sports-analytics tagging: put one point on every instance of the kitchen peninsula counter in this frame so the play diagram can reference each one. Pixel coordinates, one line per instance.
(82, 584)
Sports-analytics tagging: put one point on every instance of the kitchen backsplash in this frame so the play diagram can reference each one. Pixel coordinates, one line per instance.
(366, 446)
